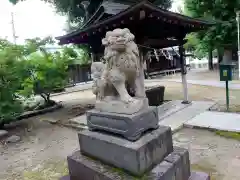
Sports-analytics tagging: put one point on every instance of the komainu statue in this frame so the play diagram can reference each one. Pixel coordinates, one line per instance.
(120, 75)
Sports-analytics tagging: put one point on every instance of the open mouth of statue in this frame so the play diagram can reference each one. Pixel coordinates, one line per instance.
(120, 42)
(119, 45)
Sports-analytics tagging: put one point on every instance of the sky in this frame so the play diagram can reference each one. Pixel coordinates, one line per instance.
(34, 18)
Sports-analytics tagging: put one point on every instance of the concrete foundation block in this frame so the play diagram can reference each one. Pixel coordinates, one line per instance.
(194, 176)
(130, 126)
(185, 160)
(135, 157)
(84, 168)
(65, 178)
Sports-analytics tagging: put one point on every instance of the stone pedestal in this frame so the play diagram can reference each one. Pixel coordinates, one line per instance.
(172, 167)
(105, 155)
(194, 176)
(129, 126)
(135, 158)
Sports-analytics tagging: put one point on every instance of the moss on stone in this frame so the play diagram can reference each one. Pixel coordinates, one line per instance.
(227, 134)
(123, 174)
(48, 171)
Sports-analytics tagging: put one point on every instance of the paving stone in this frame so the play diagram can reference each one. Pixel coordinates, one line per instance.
(80, 120)
(3, 133)
(216, 120)
(51, 120)
(199, 176)
(177, 119)
(13, 139)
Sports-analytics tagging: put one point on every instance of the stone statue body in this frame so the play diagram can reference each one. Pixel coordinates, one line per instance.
(122, 72)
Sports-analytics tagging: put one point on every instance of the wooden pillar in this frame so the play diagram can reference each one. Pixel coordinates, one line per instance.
(183, 73)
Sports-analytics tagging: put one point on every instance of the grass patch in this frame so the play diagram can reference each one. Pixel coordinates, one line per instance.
(47, 171)
(230, 135)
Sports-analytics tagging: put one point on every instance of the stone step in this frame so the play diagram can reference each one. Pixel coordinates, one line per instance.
(175, 166)
(135, 157)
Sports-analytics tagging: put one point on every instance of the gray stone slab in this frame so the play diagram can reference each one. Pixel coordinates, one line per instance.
(216, 120)
(83, 168)
(169, 108)
(176, 161)
(65, 178)
(211, 83)
(199, 176)
(79, 120)
(177, 119)
(3, 133)
(135, 157)
(13, 139)
(130, 127)
(184, 161)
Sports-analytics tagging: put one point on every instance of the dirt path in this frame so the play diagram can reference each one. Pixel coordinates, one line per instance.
(43, 146)
(41, 155)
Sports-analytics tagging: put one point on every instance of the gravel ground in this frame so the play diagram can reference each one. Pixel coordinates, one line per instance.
(42, 152)
(211, 153)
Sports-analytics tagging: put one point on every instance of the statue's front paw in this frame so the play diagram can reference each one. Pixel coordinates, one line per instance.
(127, 99)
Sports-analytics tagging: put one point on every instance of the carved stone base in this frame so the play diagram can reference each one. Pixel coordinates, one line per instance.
(117, 106)
(130, 127)
(194, 176)
(172, 167)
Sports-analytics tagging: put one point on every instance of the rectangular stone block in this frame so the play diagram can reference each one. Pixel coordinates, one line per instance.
(185, 159)
(176, 161)
(199, 176)
(84, 168)
(163, 171)
(129, 126)
(134, 157)
(65, 178)
(180, 160)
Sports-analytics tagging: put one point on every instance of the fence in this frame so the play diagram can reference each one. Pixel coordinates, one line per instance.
(79, 73)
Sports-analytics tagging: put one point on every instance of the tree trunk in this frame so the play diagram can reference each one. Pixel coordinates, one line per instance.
(210, 60)
(1, 125)
(220, 56)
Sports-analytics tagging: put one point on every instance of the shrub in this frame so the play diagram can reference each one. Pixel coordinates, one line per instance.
(48, 73)
(27, 70)
(10, 82)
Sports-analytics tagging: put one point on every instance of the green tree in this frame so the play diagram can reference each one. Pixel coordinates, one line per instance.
(48, 72)
(223, 12)
(12, 73)
(10, 106)
(26, 70)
